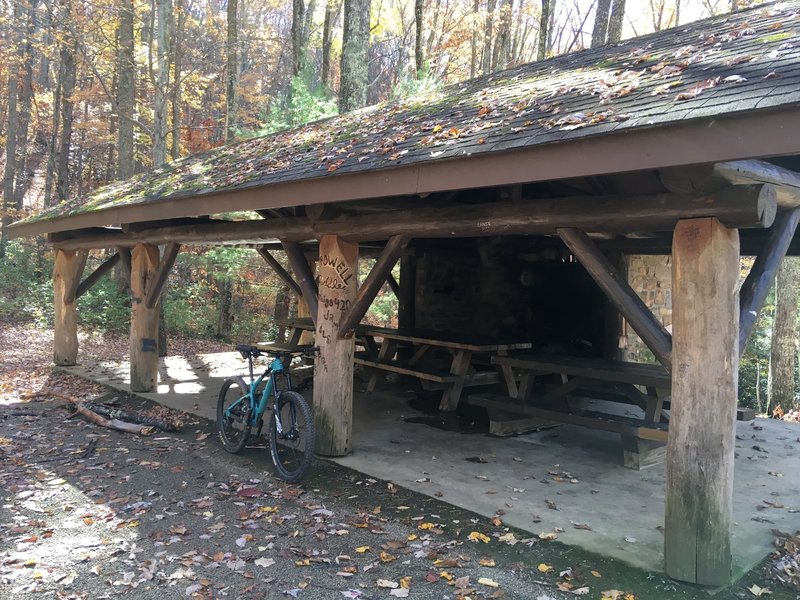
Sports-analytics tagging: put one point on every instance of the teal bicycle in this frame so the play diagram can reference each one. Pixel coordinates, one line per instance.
(241, 407)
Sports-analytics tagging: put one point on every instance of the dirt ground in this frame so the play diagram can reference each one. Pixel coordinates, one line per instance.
(88, 512)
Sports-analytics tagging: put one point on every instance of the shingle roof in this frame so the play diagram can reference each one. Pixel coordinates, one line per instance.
(722, 66)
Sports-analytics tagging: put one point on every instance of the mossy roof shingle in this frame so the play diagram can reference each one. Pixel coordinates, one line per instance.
(722, 66)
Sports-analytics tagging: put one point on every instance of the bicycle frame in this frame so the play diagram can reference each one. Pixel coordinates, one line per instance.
(258, 406)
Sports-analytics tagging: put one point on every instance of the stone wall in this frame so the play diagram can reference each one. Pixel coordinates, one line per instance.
(507, 288)
(651, 278)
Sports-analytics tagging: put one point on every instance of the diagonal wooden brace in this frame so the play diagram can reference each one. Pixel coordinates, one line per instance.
(96, 275)
(762, 274)
(305, 278)
(71, 293)
(374, 281)
(279, 270)
(157, 283)
(616, 288)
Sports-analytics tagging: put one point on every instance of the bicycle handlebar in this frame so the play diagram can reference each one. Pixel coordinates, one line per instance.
(247, 350)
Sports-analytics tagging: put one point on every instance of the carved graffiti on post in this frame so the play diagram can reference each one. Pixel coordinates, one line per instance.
(333, 375)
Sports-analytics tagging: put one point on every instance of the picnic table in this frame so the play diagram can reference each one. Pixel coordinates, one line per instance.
(644, 385)
(297, 326)
(467, 356)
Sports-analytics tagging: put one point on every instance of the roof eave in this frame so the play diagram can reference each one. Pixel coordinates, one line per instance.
(753, 134)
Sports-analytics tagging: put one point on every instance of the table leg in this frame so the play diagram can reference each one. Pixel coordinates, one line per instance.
(388, 348)
(508, 376)
(370, 346)
(459, 368)
(655, 405)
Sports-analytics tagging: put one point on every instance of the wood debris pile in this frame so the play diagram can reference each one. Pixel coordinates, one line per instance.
(785, 563)
(792, 415)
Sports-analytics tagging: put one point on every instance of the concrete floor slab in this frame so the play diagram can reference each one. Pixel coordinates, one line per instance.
(557, 480)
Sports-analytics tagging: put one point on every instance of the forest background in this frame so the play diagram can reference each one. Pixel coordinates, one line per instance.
(94, 91)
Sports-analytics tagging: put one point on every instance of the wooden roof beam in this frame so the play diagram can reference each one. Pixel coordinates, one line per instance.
(786, 181)
(747, 206)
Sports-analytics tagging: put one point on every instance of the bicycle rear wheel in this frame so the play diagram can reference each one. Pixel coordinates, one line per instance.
(293, 448)
(233, 415)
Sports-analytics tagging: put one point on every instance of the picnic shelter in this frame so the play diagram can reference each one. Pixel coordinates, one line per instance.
(510, 201)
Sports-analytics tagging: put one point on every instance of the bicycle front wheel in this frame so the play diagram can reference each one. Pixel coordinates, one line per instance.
(293, 447)
(233, 415)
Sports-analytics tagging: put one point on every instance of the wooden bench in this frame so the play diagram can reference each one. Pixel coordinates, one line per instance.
(437, 376)
(643, 439)
(594, 378)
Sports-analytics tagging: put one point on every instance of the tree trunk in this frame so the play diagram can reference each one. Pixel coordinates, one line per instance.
(502, 39)
(232, 70)
(25, 99)
(355, 63)
(600, 29)
(68, 73)
(126, 83)
(473, 65)
(298, 20)
(486, 63)
(225, 305)
(419, 55)
(11, 145)
(163, 14)
(52, 146)
(616, 21)
(544, 29)
(177, 61)
(331, 15)
(783, 354)
(308, 22)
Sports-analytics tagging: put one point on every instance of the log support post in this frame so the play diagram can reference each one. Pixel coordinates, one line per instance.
(144, 320)
(700, 451)
(408, 287)
(333, 368)
(67, 271)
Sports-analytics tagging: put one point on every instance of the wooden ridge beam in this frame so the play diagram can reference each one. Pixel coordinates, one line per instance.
(786, 181)
(762, 274)
(97, 274)
(157, 283)
(747, 206)
(374, 281)
(617, 289)
(279, 270)
(305, 278)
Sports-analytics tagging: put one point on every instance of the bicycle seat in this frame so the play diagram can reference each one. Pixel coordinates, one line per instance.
(246, 350)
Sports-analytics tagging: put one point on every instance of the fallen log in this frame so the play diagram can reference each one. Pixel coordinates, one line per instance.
(123, 415)
(112, 423)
